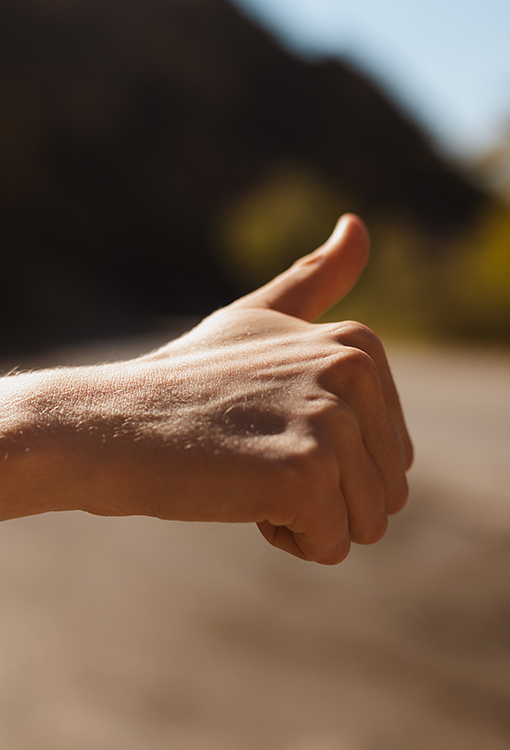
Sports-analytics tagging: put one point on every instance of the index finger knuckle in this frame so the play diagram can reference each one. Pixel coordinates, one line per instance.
(355, 369)
(357, 334)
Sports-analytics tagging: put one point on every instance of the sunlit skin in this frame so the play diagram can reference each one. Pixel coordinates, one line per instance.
(255, 416)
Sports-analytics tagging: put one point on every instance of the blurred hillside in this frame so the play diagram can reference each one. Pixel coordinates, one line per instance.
(163, 156)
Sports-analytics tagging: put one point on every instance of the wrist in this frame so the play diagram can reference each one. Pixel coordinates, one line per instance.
(31, 470)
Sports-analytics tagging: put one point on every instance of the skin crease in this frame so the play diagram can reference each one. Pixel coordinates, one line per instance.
(255, 416)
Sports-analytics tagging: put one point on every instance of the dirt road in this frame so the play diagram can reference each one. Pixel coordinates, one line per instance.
(143, 635)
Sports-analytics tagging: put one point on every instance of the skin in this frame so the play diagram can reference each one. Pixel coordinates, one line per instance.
(255, 416)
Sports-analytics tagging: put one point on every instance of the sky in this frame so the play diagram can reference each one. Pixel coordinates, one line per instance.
(446, 61)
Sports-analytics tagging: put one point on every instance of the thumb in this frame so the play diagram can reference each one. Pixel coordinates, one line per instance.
(315, 282)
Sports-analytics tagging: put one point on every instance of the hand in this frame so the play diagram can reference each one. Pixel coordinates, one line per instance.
(256, 415)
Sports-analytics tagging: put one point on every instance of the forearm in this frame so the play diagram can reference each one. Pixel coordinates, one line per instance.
(112, 440)
(57, 428)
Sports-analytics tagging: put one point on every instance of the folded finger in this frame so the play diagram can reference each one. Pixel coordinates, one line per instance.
(354, 379)
(320, 533)
(360, 337)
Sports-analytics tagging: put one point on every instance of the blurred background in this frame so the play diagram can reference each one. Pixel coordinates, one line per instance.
(160, 157)
(157, 159)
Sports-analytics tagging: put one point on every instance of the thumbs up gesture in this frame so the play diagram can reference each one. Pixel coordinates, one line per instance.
(255, 416)
(295, 426)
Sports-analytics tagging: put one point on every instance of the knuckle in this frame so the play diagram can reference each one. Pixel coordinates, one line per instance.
(357, 369)
(358, 335)
(310, 467)
(357, 359)
(336, 414)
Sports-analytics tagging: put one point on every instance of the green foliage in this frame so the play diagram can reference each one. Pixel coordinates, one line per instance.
(413, 286)
(479, 274)
(286, 215)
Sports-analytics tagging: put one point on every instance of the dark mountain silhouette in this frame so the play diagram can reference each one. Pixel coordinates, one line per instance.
(128, 125)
